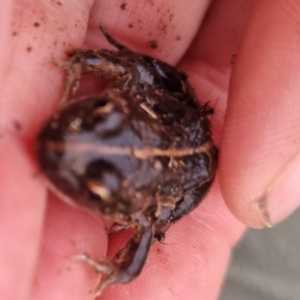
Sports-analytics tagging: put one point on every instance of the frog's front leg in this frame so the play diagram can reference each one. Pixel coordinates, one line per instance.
(127, 263)
(101, 63)
(74, 73)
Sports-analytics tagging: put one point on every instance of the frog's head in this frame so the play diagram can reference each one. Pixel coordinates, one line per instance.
(86, 152)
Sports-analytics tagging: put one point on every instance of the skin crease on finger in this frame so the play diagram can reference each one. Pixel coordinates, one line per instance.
(262, 121)
(205, 251)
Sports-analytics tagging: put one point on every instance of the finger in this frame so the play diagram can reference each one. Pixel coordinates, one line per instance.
(67, 233)
(259, 161)
(30, 88)
(22, 204)
(209, 60)
(163, 29)
(22, 200)
(38, 34)
(6, 9)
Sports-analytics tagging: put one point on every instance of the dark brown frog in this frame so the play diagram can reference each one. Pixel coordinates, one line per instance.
(140, 153)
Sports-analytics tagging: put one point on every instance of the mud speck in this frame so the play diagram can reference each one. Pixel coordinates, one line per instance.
(17, 125)
(123, 6)
(233, 59)
(152, 44)
(162, 26)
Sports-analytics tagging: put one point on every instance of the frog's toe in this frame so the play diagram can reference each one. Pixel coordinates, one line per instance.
(101, 265)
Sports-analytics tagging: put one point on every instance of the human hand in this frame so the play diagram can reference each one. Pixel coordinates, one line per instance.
(194, 259)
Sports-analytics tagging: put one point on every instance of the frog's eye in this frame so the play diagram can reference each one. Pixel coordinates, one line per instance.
(96, 110)
(109, 125)
(101, 107)
(102, 180)
(103, 117)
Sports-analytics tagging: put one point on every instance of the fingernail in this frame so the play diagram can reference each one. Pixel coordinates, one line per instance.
(262, 211)
(282, 195)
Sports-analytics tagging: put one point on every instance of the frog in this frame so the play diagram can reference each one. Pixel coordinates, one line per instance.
(139, 153)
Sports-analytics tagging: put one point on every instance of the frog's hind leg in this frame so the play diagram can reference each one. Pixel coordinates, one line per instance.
(127, 263)
(189, 202)
(112, 40)
(183, 207)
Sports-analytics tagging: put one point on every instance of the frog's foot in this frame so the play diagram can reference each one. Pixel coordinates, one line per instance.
(127, 263)
(74, 69)
(101, 265)
(104, 266)
(62, 64)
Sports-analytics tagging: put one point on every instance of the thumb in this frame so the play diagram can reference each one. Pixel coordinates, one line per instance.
(260, 152)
